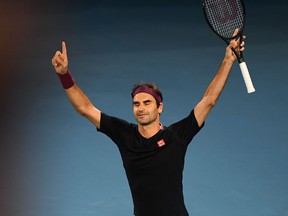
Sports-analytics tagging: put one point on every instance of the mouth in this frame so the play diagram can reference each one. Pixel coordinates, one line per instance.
(141, 115)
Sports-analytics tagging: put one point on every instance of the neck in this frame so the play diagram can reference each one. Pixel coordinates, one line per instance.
(150, 130)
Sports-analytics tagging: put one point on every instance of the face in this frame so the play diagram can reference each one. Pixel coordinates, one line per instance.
(145, 109)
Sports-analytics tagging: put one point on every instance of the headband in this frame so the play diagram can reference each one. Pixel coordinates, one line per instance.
(148, 90)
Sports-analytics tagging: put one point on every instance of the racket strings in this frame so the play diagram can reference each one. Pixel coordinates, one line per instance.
(224, 16)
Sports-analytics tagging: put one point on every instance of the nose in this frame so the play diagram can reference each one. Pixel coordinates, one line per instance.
(141, 107)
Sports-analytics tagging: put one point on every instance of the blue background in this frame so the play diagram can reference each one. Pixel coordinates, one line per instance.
(53, 162)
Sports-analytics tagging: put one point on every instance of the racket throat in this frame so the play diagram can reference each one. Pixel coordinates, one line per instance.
(240, 59)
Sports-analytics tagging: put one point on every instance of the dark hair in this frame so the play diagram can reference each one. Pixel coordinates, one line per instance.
(153, 86)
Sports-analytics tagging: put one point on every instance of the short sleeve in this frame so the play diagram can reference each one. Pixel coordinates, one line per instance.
(114, 127)
(186, 128)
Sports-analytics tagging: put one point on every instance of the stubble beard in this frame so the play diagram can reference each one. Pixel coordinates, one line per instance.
(148, 120)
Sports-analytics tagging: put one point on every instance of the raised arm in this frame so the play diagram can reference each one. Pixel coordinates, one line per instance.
(78, 99)
(216, 86)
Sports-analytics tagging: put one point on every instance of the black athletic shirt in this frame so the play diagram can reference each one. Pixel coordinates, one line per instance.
(153, 166)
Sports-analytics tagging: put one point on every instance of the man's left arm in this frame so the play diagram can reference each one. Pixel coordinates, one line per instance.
(216, 86)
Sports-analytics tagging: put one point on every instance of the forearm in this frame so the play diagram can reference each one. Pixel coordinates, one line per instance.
(78, 99)
(81, 102)
(217, 85)
(213, 92)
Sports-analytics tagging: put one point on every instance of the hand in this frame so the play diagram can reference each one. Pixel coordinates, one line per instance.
(60, 60)
(237, 45)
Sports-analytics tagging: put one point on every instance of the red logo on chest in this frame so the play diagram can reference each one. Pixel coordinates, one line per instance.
(161, 143)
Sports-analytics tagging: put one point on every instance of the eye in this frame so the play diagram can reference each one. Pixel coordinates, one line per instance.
(147, 103)
(136, 104)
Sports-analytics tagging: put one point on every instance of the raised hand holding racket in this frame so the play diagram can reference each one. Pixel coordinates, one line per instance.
(235, 46)
(223, 17)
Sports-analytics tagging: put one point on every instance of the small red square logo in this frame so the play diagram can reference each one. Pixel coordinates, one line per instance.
(161, 143)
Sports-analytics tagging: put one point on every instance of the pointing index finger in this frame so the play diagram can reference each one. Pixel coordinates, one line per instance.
(64, 50)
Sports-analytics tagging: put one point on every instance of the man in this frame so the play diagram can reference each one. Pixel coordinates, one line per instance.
(152, 154)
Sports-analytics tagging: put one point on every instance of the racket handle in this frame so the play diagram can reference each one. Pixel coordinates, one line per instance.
(246, 77)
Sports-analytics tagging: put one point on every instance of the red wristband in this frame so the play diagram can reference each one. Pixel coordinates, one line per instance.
(66, 80)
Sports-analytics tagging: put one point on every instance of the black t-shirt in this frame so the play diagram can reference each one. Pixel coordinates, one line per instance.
(153, 166)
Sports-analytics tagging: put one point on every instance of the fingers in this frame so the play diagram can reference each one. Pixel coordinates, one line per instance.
(60, 58)
(233, 44)
(236, 46)
(235, 32)
(237, 43)
(242, 46)
(57, 58)
(57, 55)
(241, 43)
(59, 61)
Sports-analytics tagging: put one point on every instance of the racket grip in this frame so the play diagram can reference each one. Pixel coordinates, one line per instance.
(246, 77)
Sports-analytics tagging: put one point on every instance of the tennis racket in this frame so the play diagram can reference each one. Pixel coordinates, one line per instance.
(223, 17)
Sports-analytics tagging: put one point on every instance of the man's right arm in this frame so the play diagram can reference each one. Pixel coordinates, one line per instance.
(78, 99)
(83, 105)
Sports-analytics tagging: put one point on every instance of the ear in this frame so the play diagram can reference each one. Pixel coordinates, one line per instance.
(160, 108)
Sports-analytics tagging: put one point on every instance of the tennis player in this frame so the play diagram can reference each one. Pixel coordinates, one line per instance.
(153, 154)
